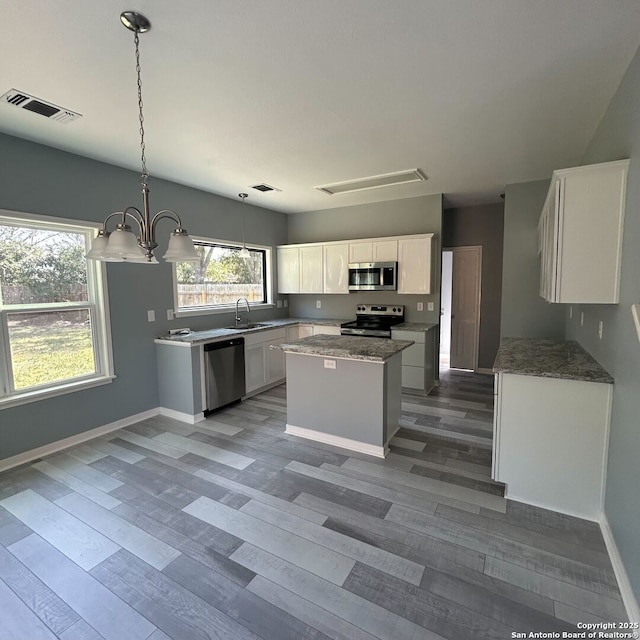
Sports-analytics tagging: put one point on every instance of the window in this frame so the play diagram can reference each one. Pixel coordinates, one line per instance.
(221, 277)
(53, 317)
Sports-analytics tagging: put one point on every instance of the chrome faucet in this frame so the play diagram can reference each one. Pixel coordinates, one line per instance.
(246, 302)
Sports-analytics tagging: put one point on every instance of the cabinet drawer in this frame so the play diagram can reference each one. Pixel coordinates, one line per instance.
(264, 336)
(323, 329)
(416, 336)
(413, 356)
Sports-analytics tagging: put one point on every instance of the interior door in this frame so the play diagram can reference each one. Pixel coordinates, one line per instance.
(465, 307)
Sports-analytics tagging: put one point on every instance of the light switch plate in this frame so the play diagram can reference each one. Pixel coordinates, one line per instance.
(318, 304)
(151, 315)
(430, 306)
(600, 329)
(286, 302)
(582, 318)
(279, 304)
(420, 306)
(635, 310)
(170, 314)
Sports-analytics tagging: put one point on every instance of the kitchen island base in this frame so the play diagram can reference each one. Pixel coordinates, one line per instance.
(349, 403)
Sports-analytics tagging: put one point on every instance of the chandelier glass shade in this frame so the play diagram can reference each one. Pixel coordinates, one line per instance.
(122, 244)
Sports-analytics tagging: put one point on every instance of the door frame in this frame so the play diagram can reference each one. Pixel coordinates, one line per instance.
(478, 250)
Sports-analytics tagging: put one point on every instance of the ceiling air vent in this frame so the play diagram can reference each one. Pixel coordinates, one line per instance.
(373, 182)
(264, 187)
(49, 110)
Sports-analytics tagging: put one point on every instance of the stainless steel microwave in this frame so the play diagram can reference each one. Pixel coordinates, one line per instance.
(373, 276)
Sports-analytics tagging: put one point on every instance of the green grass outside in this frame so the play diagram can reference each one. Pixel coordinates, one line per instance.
(42, 354)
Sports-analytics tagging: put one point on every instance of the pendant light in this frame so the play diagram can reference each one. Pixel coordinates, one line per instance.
(121, 244)
(244, 254)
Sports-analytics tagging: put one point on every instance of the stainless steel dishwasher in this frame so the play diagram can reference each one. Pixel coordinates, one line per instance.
(224, 372)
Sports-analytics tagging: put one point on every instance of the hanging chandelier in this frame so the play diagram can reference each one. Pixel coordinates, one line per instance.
(121, 244)
(244, 253)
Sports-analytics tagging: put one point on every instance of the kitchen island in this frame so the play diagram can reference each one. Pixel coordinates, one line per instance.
(551, 425)
(345, 390)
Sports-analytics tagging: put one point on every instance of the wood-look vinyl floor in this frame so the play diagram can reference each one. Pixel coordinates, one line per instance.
(231, 529)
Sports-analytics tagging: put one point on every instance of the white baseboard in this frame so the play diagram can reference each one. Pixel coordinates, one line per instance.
(337, 441)
(72, 441)
(183, 417)
(624, 584)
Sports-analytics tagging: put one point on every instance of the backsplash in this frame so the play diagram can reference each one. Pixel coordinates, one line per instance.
(344, 306)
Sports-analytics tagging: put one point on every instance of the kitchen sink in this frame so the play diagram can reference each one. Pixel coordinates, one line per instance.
(251, 325)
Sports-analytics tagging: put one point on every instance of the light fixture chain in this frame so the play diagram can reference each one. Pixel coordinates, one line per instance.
(144, 178)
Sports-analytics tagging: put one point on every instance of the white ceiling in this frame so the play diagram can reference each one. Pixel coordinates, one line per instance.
(476, 93)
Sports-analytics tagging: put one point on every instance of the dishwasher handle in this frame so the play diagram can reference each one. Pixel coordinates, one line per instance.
(223, 344)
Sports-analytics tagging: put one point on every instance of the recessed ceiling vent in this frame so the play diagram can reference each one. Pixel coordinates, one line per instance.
(23, 100)
(264, 187)
(373, 182)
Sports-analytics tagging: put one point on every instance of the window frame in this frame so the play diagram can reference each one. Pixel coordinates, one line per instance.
(227, 308)
(97, 306)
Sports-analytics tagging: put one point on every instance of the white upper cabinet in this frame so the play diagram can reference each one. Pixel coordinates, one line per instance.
(288, 269)
(361, 252)
(580, 234)
(324, 267)
(385, 251)
(414, 264)
(336, 268)
(311, 269)
(374, 251)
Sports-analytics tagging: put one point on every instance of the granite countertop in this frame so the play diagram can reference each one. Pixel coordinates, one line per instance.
(349, 347)
(209, 335)
(416, 326)
(548, 359)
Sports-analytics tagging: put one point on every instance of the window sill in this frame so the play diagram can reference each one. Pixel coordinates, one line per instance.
(51, 392)
(204, 311)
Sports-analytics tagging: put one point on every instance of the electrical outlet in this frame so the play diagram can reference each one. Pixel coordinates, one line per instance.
(279, 304)
(151, 315)
(570, 312)
(430, 306)
(600, 328)
(329, 364)
(318, 304)
(286, 303)
(420, 306)
(582, 318)
(170, 314)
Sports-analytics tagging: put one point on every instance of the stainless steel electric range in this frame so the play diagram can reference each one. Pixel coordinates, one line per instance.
(374, 320)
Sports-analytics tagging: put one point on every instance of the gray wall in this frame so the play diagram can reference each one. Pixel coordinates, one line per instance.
(617, 137)
(481, 226)
(524, 313)
(391, 218)
(39, 179)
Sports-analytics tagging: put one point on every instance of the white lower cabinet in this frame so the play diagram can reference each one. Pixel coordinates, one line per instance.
(254, 367)
(550, 442)
(418, 370)
(320, 329)
(305, 330)
(263, 365)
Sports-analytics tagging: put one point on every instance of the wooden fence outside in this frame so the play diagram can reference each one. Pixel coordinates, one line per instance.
(200, 295)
